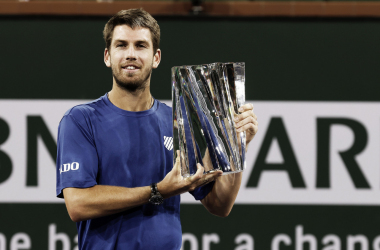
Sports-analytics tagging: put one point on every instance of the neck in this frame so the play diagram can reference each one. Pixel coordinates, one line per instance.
(131, 101)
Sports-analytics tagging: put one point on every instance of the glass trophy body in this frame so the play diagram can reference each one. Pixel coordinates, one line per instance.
(205, 100)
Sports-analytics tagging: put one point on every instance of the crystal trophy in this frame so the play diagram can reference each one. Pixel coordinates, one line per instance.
(205, 100)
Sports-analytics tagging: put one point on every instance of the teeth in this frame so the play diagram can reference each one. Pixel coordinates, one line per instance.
(130, 67)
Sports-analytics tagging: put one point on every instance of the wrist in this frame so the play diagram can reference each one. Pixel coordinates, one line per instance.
(161, 189)
(155, 196)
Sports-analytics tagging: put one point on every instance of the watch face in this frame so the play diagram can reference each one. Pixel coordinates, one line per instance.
(156, 199)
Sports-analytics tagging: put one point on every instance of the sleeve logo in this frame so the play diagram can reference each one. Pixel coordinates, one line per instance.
(67, 167)
(168, 142)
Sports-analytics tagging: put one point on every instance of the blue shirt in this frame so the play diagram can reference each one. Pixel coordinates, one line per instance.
(100, 144)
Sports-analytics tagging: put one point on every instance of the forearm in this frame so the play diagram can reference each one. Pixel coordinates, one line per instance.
(223, 195)
(100, 200)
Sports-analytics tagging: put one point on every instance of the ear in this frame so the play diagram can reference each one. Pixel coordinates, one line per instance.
(107, 58)
(157, 59)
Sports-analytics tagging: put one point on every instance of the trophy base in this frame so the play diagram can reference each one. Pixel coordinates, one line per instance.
(224, 173)
(211, 171)
(232, 172)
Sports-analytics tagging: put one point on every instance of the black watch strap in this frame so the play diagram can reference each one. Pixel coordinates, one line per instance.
(155, 196)
(153, 188)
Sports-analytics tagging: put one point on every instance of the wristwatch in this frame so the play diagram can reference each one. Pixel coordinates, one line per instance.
(155, 196)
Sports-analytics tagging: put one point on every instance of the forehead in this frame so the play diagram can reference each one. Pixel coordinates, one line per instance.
(126, 33)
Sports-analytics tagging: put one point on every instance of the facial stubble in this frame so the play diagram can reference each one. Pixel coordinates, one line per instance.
(131, 85)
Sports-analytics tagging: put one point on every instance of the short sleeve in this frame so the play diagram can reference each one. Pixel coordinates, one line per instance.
(77, 159)
(202, 192)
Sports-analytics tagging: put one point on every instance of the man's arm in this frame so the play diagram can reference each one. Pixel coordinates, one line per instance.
(222, 196)
(100, 200)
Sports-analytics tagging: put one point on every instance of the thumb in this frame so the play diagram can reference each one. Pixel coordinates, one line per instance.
(198, 175)
(177, 164)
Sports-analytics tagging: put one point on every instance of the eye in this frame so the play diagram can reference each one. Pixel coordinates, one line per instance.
(120, 45)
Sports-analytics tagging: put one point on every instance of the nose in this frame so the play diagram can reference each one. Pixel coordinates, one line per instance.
(131, 53)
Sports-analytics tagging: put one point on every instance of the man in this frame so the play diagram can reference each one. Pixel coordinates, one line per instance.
(112, 167)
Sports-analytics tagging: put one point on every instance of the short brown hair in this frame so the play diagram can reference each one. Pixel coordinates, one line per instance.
(133, 18)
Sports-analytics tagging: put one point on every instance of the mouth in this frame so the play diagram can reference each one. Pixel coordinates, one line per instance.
(130, 68)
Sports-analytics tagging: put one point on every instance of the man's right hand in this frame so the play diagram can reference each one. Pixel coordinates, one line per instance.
(174, 184)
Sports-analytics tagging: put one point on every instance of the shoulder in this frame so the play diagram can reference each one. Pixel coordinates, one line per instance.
(79, 112)
(83, 113)
(165, 109)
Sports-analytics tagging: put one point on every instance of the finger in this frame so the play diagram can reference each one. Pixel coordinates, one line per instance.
(244, 115)
(246, 107)
(210, 177)
(247, 120)
(215, 173)
(177, 164)
(250, 127)
(198, 175)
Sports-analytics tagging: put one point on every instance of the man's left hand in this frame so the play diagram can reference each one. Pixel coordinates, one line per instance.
(246, 121)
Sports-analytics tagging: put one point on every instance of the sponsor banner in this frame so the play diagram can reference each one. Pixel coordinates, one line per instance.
(28, 149)
(282, 227)
(304, 153)
(248, 227)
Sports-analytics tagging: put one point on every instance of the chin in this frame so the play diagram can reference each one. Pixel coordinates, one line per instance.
(131, 86)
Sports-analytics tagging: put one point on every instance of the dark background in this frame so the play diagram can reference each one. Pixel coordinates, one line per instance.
(286, 59)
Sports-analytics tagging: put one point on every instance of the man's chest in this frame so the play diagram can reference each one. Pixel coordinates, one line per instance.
(134, 152)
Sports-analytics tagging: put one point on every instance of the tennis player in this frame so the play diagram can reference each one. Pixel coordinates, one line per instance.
(115, 162)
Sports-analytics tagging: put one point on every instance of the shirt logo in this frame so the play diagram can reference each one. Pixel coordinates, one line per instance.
(67, 167)
(168, 142)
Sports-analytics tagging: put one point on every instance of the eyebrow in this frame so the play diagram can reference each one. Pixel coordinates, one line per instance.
(123, 41)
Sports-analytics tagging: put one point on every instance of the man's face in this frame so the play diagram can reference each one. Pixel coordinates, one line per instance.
(131, 57)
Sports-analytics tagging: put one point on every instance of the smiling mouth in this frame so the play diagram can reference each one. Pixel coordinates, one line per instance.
(130, 67)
